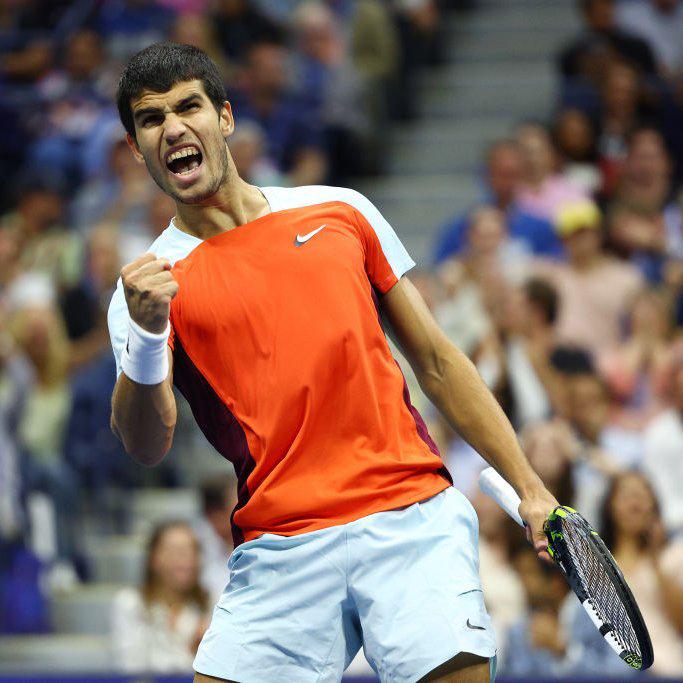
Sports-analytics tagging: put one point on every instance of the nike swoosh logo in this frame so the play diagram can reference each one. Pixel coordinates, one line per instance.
(475, 628)
(302, 239)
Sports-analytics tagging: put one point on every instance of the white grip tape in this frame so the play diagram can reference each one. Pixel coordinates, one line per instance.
(492, 484)
(145, 359)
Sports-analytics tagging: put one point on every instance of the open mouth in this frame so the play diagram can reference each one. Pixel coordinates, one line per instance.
(184, 161)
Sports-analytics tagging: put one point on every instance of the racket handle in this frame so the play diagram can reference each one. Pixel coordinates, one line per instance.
(492, 484)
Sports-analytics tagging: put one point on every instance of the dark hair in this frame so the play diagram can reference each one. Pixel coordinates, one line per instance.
(196, 594)
(544, 296)
(572, 360)
(608, 531)
(158, 68)
(215, 494)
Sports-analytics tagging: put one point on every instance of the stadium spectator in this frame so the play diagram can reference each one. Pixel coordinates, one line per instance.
(34, 237)
(375, 51)
(332, 89)
(552, 449)
(418, 26)
(121, 193)
(294, 137)
(633, 530)
(157, 628)
(38, 331)
(536, 388)
(537, 644)
(503, 182)
(589, 53)
(475, 282)
(645, 221)
(247, 146)
(76, 111)
(663, 445)
(543, 189)
(576, 142)
(215, 534)
(604, 448)
(595, 289)
(618, 116)
(636, 371)
(660, 23)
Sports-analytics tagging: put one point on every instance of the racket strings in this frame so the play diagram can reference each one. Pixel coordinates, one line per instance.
(599, 586)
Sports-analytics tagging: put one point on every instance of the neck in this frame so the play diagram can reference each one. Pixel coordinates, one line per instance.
(236, 203)
(627, 547)
(169, 597)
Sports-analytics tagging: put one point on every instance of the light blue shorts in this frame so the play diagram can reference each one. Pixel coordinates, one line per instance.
(404, 584)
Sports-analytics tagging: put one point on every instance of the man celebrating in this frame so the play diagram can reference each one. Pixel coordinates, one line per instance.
(263, 306)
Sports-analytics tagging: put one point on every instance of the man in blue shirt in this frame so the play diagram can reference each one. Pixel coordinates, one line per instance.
(503, 178)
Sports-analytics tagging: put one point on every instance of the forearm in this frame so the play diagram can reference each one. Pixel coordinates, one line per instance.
(144, 417)
(456, 389)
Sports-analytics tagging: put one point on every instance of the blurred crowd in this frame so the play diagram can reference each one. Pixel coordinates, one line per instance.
(564, 286)
(563, 283)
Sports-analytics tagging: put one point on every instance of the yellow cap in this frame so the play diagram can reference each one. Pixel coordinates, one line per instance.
(576, 216)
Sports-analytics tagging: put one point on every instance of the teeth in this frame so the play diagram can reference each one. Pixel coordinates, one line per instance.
(185, 152)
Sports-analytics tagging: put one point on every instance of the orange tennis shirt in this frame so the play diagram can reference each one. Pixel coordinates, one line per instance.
(280, 352)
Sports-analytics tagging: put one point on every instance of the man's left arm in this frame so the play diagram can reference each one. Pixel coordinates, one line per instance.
(452, 383)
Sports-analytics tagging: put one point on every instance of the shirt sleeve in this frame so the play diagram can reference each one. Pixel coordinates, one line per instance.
(386, 259)
(117, 321)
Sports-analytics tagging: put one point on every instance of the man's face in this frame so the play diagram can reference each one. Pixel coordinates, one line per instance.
(181, 139)
(647, 161)
(505, 173)
(589, 405)
(583, 244)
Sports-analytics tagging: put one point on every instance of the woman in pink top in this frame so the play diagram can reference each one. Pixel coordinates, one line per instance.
(544, 190)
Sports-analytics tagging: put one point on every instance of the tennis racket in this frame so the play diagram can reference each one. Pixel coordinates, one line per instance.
(590, 571)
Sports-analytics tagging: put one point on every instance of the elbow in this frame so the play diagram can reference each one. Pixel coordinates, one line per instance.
(147, 456)
(145, 452)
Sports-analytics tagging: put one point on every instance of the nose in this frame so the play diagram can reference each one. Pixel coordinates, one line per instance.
(174, 128)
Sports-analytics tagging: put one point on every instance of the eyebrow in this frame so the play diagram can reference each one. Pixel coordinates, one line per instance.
(156, 110)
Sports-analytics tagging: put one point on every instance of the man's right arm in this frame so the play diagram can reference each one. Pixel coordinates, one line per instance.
(143, 417)
(143, 410)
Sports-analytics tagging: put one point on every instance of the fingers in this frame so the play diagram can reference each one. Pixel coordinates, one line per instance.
(139, 261)
(147, 264)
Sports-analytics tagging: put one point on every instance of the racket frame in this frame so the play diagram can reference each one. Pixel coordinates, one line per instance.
(557, 548)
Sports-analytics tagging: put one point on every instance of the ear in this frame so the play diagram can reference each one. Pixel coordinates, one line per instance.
(226, 120)
(134, 148)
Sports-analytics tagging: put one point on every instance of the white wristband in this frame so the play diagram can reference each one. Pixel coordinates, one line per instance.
(145, 359)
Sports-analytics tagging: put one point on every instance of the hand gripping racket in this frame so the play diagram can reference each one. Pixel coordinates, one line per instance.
(591, 573)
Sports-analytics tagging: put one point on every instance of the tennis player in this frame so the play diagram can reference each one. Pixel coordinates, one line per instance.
(264, 307)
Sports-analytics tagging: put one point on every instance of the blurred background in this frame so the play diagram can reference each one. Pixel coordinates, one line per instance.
(529, 154)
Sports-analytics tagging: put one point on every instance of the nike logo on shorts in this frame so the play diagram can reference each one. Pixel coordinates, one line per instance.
(475, 628)
(302, 239)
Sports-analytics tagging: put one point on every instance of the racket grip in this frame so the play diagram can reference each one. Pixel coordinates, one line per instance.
(492, 484)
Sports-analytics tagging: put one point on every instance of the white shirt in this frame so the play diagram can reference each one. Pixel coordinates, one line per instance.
(663, 465)
(142, 639)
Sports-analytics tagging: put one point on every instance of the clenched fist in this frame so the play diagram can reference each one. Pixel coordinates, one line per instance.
(149, 287)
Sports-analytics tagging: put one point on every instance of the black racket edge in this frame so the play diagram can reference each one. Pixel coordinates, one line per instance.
(559, 552)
